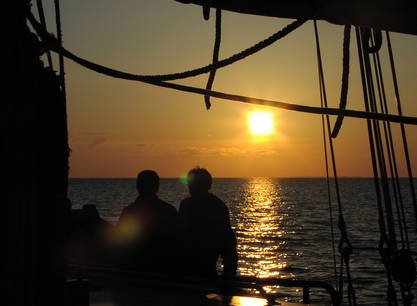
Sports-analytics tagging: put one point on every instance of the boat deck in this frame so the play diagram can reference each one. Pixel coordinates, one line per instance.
(97, 286)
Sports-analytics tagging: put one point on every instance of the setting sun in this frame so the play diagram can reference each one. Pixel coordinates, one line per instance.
(261, 123)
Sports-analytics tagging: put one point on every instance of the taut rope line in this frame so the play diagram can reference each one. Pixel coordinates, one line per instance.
(345, 247)
(329, 198)
(384, 243)
(391, 151)
(403, 133)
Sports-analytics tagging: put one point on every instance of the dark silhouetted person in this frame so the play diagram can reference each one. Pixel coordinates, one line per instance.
(147, 229)
(207, 233)
(88, 241)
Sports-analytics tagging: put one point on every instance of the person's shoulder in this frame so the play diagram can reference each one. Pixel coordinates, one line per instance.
(128, 208)
(185, 202)
(167, 206)
(215, 199)
(127, 211)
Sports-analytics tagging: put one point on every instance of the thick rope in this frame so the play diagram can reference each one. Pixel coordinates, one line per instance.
(53, 44)
(345, 79)
(215, 55)
(221, 95)
(403, 133)
(206, 12)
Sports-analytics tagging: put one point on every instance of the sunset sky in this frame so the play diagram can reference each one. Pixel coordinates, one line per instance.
(119, 127)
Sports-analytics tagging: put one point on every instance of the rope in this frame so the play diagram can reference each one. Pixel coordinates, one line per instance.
(403, 133)
(53, 44)
(221, 95)
(206, 12)
(43, 22)
(396, 266)
(345, 79)
(345, 247)
(62, 74)
(329, 200)
(391, 153)
(59, 35)
(367, 39)
(379, 147)
(383, 242)
(215, 55)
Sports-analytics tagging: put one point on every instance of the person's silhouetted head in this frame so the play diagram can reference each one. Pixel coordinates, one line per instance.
(199, 181)
(147, 183)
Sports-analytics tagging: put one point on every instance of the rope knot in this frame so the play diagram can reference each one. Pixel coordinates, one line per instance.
(371, 43)
(345, 248)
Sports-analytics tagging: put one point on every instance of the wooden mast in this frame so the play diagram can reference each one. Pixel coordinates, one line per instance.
(35, 170)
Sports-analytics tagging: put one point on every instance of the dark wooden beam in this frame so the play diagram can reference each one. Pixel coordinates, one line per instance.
(394, 15)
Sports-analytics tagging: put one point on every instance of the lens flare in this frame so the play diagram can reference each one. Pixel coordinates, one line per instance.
(261, 123)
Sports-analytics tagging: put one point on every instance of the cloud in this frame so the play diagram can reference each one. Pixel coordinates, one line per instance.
(96, 141)
(227, 151)
(142, 145)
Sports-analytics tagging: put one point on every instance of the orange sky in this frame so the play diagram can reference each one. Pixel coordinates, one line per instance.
(118, 128)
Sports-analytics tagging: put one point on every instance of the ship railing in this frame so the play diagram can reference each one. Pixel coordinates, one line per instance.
(228, 286)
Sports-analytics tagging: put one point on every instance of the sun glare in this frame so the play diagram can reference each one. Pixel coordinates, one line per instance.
(261, 123)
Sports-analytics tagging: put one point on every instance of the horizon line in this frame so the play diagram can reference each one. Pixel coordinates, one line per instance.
(240, 177)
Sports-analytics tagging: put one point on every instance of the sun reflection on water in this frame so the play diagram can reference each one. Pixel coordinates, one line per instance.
(260, 229)
(237, 300)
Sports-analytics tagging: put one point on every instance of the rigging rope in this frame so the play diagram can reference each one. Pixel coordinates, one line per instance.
(370, 103)
(62, 80)
(345, 79)
(398, 264)
(401, 263)
(403, 133)
(54, 46)
(206, 12)
(403, 267)
(329, 199)
(345, 247)
(391, 153)
(383, 241)
(215, 55)
(221, 95)
(59, 36)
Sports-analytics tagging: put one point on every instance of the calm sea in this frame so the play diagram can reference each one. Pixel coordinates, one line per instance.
(282, 225)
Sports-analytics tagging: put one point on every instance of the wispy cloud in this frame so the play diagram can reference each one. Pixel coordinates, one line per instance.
(96, 142)
(144, 145)
(227, 151)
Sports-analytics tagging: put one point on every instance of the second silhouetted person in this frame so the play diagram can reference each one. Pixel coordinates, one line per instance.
(206, 229)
